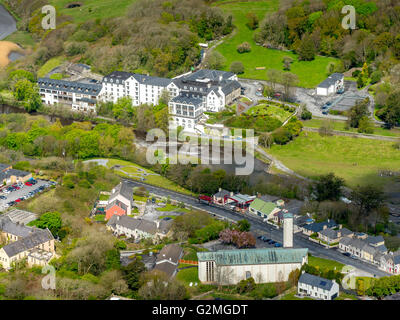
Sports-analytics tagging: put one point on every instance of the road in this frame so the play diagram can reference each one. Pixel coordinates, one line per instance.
(258, 225)
(7, 23)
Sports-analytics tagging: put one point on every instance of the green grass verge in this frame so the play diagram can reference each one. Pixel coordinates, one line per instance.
(188, 275)
(310, 73)
(340, 126)
(92, 9)
(100, 217)
(325, 264)
(22, 38)
(357, 160)
(270, 110)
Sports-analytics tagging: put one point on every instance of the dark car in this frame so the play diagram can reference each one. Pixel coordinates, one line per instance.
(271, 242)
(346, 254)
(278, 245)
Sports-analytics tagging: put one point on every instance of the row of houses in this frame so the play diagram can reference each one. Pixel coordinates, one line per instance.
(8, 175)
(23, 242)
(190, 94)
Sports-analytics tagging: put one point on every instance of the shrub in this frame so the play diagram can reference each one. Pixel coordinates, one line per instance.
(282, 136)
(244, 47)
(237, 67)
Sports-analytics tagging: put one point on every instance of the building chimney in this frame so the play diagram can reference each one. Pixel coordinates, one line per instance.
(258, 195)
(288, 230)
(219, 189)
(339, 234)
(340, 227)
(325, 226)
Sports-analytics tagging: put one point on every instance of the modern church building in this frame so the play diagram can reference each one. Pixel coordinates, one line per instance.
(228, 267)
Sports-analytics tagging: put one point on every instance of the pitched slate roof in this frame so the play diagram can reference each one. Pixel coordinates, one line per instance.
(223, 193)
(188, 99)
(4, 166)
(21, 216)
(150, 80)
(375, 239)
(36, 238)
(123, 189)
(116, 203)
(69, 86)
(319, 226)
(230, 86)
(213, 75)
(166, 267)
(170, 252)
(242, 198)
(254, 256)
(263, 206)
(316, 281)
(16, 229)
(139, 224)
(12, 172)
(331, 80)
(117, 75)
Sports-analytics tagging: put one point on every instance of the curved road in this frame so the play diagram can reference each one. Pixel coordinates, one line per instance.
(7, 23)
(258, 225)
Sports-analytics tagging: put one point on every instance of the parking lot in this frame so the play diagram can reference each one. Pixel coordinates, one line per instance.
(24, 191)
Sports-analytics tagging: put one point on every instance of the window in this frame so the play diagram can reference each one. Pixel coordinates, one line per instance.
(248, 274)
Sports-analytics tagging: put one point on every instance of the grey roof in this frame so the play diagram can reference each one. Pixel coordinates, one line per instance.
(369, 249)
(137, 224)
(333, 234)
(117, 75)
(171, 252)
(116, 203)
(4, 166)
(38, 237)
(356, 243)
(124, 190)
(188, 99)
(223, 193)
(319, 226)
(21, 216)
(16, 229)
(13, 172)
(331, 80)
(255, 256)
(213, 75)
(70, 86)
(166, 267)
(316, 281)
(382, 248)
(375, 239)
(150, 80)
(230, 86)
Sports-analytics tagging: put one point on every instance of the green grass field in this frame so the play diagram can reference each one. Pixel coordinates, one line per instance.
(23, 38)
(340, 126)
(188, 275)
(325, 263)
(270, 110)
(50, 65)
(92, 9)
(310, 73)
(356, 160)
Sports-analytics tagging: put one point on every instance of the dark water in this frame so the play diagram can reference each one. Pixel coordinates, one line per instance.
(10, 109)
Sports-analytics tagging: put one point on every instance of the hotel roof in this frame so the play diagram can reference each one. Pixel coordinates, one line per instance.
(69, 86)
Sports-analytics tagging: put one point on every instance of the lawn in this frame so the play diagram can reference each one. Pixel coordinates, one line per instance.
(310, 73)
(92, 9)
(50, 65)
(152, 178)
(270, 110)
(188, 275)
(325, 264)
(340, 126)
(22, 38)
(104, 197)
(356, 160)
(100, 217)
(291, 296)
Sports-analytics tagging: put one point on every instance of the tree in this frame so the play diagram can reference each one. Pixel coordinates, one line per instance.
(288, 81)
(49, 220)
(365, 125)
(252, 21)
(305, 113)
(23, 90)
(266, 140)
(123, 109)
(287, 61)
(367, 198)
(306, 49)
(214, 60)
(274, 76)
(243, 225)
(329, 187)
(237, 67)
(132, 272)
(357, 112)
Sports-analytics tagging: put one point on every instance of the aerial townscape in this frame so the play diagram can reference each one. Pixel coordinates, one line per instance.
(126, 127)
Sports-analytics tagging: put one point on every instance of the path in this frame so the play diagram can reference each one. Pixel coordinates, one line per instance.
(8, 24)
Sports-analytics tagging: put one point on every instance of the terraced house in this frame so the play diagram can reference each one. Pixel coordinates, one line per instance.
(23, 242)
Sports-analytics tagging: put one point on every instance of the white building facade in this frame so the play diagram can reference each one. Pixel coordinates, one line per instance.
(317, 287)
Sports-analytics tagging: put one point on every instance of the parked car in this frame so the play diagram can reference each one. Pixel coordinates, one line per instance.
(278, 244)
(346, 254)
